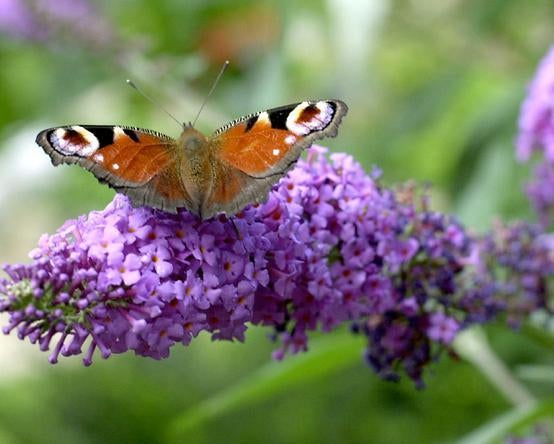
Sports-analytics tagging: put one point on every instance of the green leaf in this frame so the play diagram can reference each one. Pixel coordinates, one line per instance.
(518, 418)
(326, 356)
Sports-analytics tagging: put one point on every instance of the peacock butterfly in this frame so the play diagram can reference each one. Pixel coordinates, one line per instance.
(234, 167)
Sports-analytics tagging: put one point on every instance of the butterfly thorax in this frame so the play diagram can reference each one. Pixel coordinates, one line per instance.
(195, 167)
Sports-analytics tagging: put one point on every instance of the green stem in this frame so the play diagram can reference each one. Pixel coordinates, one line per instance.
(518, 418)
(474, 347)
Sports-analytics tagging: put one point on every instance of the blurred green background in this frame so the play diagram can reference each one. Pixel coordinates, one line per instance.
(434, 89)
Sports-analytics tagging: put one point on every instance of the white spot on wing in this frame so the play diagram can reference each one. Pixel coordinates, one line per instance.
(263, 118)
(276, 152)
(118, 132)
(115, 166)
(98, 158)
(290, 139)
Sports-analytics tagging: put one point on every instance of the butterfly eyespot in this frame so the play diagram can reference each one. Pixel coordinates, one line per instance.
(309, 117)
(308, 114)
(74, 140)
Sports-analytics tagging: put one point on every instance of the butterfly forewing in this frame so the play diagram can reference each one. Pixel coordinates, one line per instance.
(269, 142)
(131, 160)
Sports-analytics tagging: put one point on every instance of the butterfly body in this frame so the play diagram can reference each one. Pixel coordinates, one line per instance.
(235, 166)
(195, 166)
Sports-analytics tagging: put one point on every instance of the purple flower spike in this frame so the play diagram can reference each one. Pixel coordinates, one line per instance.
(39, 20)
(536, 133)
(329, 246)
(536, 121)
(517, 264)
(17, 19)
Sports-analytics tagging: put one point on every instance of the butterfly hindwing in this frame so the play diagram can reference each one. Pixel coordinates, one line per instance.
(258, 150)
(137, 162)
(232, 190)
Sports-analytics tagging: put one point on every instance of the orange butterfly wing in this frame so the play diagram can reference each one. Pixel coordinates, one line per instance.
(253, 153)
(136, 162)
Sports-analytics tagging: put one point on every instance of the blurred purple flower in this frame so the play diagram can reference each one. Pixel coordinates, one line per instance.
(536, 133)
(517, 262)
(536, 120)
(18, 20)
(45, 19)
(540, 433)
(442, 328)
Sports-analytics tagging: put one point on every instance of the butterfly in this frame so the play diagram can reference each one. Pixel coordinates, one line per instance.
(225, 172)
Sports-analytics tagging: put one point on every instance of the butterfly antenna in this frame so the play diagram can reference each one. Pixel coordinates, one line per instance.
(151, 100)
(216, 81)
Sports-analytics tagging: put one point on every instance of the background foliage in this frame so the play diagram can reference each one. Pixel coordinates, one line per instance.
(434, 90)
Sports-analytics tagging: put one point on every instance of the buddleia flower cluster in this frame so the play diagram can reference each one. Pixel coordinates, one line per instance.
(330, 246)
